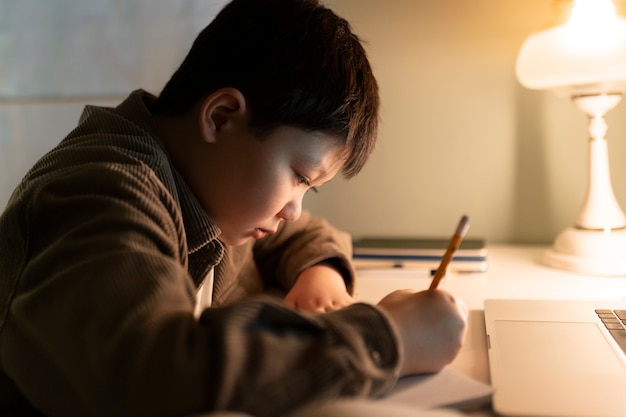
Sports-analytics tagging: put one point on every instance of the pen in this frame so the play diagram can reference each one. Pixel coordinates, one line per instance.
(455, 241)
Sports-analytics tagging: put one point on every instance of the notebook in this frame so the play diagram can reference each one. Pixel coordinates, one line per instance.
(418, 253)
(556, 358)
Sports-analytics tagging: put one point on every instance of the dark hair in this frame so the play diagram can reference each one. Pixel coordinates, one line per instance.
(296, 62)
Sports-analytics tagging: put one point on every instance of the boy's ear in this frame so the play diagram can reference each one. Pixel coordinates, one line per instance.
(224, 106)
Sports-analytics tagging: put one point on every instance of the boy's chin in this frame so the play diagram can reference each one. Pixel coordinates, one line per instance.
(234, 240)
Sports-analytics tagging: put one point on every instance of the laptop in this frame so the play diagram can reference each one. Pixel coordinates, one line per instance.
(557, 358)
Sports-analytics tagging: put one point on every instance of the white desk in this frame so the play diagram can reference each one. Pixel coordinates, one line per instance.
(513, 272)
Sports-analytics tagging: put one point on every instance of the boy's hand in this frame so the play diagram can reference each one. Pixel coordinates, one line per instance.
(431, 325)
(319, 289)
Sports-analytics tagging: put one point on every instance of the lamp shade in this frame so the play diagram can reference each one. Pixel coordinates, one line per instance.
(585, 53)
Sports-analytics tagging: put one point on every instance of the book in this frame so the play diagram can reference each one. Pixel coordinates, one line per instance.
(421, 253)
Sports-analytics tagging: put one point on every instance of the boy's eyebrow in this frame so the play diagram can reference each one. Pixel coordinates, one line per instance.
(311, 162)
(322, 175)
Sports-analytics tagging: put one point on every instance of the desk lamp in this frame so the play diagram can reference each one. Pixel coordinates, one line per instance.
(582, 55)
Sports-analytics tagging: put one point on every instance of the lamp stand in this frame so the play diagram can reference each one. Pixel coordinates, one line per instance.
(596, 244)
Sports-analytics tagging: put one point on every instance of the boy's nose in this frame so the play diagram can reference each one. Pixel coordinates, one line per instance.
(292, 210)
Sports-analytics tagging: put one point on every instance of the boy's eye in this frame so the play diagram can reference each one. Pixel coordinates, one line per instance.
(304, 180)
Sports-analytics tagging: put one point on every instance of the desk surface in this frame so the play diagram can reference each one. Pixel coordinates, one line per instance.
(513, 272)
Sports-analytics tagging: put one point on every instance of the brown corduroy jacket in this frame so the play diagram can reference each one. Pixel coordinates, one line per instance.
(102, 248)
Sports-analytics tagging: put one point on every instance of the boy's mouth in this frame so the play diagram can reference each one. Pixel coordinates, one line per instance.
(260, 233)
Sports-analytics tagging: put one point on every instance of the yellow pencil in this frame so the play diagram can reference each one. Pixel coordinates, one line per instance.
(455, 241)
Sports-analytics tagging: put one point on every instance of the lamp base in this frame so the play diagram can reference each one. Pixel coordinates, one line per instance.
(589, 251)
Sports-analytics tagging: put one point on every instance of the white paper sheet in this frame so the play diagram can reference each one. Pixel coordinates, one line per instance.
(448, 388)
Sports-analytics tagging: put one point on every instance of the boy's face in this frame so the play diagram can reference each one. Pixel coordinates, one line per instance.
(263, 181)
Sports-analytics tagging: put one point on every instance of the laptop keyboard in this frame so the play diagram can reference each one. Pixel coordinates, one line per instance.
(615, 322)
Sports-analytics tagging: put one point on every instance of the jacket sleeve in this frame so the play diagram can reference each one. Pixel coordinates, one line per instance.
(98, 319)
(301, 244)
(294, 359)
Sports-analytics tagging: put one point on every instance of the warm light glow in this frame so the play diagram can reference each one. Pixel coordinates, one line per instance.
(586, 53)
(593, 26)
(592, 12)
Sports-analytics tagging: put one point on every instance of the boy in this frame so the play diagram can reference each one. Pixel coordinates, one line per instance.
(162, 206)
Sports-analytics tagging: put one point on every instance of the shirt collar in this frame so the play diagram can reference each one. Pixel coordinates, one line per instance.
(199, 228)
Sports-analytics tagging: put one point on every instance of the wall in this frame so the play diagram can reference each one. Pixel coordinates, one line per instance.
(459, 135)
(58, 55)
